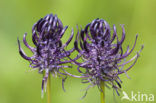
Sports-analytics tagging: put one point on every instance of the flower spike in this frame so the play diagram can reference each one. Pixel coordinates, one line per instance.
(48, 54)
(103, 58)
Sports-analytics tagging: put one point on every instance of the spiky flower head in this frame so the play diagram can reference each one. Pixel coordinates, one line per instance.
(49, 53)
(102, 54)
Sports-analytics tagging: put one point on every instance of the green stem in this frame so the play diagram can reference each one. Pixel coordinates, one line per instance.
(48, 90)
(102, 92)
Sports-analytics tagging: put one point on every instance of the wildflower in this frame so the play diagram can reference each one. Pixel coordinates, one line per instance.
(102, 58)
(49, 54)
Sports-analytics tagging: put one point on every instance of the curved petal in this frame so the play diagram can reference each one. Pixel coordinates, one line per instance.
(26, 44)
(74, 75)
(126, 54)
(34, 38)
(76, 46)
(123, 35)
(69, 40)
(85, 46)
(62, 32)
(22, 52)
(114, 34)
(55, 21)
(60, 24)
(120, 72)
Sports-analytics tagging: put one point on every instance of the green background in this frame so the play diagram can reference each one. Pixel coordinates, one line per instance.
(20, 85)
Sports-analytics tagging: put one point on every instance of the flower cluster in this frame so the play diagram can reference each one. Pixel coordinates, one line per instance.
(49, 53)
(103, 57)
(101, 53)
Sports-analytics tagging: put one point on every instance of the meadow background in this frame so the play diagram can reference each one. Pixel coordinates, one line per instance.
(19, 85)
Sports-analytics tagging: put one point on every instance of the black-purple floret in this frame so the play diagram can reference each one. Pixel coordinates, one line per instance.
(102, 54)
(49, 54)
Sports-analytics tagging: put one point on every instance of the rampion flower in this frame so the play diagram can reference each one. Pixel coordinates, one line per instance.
(49, 53)
(102, 57)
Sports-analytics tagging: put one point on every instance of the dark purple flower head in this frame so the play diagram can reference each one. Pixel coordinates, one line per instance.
(102, 54)
(49, 53)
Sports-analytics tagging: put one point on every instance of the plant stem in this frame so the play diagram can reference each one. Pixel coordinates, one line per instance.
(102, 92)
(48, 90)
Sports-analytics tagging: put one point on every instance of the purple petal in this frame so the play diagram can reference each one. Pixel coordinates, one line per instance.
(26, 44)
(22, 52)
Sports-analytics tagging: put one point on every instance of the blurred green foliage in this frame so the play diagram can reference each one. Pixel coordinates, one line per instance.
(19, 85)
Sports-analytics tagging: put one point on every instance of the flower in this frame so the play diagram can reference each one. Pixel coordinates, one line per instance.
(49, 54)
(102, 57)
